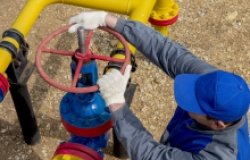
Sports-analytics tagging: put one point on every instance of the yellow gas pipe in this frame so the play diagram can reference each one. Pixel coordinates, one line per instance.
(136, 9)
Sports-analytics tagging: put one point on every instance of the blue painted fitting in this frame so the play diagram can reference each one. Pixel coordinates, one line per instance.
(88, 111)
(95, 143)
(89, 74)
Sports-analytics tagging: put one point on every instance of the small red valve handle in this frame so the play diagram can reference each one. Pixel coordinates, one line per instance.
(81, 59)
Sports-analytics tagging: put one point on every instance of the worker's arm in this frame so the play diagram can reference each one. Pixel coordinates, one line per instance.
(170, 56)
(139, 143)
(135, 138)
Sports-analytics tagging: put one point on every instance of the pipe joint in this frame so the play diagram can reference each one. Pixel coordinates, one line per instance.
(10, 45)
(164, 14)
(15, 34)
(11, 48)
(120, 53)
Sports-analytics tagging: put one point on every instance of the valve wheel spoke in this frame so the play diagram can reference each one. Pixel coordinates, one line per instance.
(59, 52)
(77, 73)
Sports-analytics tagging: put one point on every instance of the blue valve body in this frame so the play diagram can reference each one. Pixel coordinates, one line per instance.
(86, 110)
(89, 74)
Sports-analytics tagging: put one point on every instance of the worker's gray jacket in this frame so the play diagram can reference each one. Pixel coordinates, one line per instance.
(183, 139)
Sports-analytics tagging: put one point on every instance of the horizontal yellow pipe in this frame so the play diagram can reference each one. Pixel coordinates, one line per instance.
(137, 9)
(117, 6)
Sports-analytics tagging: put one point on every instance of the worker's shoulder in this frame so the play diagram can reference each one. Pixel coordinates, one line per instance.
(231, 143)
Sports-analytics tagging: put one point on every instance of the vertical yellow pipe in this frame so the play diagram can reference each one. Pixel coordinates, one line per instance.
(141, 10)
(164, 4)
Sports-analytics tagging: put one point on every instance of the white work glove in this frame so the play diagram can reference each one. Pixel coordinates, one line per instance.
(88, 20)
(113, 84)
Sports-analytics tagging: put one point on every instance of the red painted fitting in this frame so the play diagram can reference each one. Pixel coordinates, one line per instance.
(4, 84)
(88, 132)
(77, 150)
(163, 22)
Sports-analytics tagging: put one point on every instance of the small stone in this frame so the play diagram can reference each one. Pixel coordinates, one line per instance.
(231, 16)
(4, 130)
(113, 43)
(152, 127)
(29, 151)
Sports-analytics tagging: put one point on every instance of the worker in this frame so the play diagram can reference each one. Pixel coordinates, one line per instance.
(210, 121)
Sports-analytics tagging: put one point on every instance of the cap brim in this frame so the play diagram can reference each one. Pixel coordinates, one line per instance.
(184, 91)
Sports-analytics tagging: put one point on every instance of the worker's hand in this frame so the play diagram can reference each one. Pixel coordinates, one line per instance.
(88, 20)
(113, 84)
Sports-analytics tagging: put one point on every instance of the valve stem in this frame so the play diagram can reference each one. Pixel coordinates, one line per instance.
(81, 39)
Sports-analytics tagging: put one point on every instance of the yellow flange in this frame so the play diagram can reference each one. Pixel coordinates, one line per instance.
(165, 13)
(66, 157)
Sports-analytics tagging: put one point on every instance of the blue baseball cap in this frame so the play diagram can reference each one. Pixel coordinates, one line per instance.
(220, 95)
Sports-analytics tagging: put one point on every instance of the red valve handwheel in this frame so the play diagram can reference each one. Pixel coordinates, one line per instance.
(81, 58)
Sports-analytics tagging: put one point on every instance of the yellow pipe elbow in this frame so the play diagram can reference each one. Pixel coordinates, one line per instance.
(29, 14)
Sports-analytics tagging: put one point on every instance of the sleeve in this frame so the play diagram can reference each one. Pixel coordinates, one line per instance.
(139, 143)
(170, 56)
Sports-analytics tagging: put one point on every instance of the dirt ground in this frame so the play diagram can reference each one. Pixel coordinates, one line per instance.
(218, 31)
